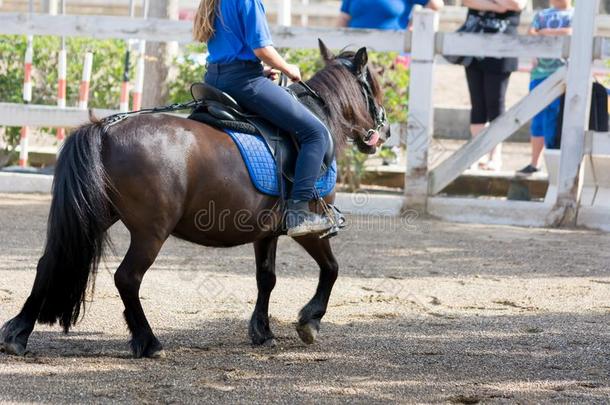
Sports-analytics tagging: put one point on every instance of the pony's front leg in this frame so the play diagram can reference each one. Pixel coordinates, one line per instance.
(259, 329)
(312, 313)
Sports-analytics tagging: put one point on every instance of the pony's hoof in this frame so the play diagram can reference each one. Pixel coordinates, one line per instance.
(14, 337)
(271, 343)
(308, 332)
(260, 334)
(14, 349)
(264, 341)
(157, 355)
(150, 348)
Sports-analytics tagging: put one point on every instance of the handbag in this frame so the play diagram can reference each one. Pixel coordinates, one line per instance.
(473, 24)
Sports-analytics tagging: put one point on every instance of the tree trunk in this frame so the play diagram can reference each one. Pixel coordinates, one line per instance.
(159, 56)
(50, 7)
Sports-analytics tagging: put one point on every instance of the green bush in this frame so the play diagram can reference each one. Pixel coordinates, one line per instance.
(105, 83)
(188, 68)
(108, 56)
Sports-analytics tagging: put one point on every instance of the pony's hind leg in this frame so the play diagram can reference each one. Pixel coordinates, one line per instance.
(128, 278)
(15, 333)
(312, 313)
(259, 330)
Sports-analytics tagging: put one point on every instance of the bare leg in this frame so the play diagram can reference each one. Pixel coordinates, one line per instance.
(259, 331)
(312, 313)
(495, 158)
(475, 129)
(128, 278)
(537, 147)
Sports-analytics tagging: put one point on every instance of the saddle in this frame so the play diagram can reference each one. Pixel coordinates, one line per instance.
(220, 110)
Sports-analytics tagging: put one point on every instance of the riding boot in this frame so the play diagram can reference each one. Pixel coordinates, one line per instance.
(301, 221)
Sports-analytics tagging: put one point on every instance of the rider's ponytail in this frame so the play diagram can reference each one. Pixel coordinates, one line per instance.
(203, 27)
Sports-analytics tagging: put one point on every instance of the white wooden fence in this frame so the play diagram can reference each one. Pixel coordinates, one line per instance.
(106, 27)
(422, 183)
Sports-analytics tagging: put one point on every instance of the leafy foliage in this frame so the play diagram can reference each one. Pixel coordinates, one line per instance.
(105, 83)
(188, 67)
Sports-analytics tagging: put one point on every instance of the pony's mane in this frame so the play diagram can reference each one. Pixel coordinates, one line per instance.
(343, 95)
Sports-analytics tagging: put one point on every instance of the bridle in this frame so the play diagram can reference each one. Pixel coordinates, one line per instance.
(377, 111)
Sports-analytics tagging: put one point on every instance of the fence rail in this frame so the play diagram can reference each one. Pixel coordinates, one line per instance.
(575, 80)
(34, 115)
(159, 30)
(583, 47)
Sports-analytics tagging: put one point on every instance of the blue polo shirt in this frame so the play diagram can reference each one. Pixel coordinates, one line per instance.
(380, 14)
(240, 28)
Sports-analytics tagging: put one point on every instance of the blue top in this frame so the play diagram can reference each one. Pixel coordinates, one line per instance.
(240, 28)
(552, 18)
(380, 14)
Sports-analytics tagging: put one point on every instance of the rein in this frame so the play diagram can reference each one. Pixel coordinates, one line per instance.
(111, 120)
(377, 112)
(283, 82)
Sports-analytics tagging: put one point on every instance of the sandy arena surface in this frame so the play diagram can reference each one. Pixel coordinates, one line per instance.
(423, 311)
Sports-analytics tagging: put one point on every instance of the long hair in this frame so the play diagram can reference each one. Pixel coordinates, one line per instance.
(203, 26)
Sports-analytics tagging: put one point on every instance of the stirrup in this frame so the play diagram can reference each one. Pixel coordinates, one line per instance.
(336, 217)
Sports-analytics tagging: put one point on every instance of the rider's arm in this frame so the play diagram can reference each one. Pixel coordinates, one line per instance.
(258, 37)
(271, 57)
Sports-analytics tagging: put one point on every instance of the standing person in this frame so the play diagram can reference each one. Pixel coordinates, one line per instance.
(556, 20)
(381, 14)
(488, 77)
(238, 39)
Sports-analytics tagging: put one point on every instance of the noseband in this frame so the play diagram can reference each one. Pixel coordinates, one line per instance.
(377, 112)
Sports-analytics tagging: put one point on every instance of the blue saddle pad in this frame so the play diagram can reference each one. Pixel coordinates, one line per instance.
(263, 169)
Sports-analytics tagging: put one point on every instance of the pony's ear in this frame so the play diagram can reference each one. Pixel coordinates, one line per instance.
(327, 54)
(360, 60)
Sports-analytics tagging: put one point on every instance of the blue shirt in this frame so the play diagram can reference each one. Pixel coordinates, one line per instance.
(380, 14)
(550, 18)
(240, 28)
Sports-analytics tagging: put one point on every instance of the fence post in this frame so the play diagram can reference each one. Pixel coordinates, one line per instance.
(284, 13)
(576, 115)
(305, 16)
(421, 109)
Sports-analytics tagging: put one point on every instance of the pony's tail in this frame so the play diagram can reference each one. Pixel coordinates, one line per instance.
(76, 235)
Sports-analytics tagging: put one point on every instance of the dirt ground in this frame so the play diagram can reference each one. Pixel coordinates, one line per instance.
(423, 311)
(451, 88)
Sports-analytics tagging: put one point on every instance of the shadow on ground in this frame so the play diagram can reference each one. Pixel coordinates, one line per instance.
(519, 358)
(424, 311)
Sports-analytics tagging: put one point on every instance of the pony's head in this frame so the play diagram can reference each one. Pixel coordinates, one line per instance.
(353, 95)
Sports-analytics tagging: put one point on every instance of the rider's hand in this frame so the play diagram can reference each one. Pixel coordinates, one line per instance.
(270, 73)
(293, 72)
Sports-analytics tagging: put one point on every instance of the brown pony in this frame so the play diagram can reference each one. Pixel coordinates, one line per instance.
(163, 175)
